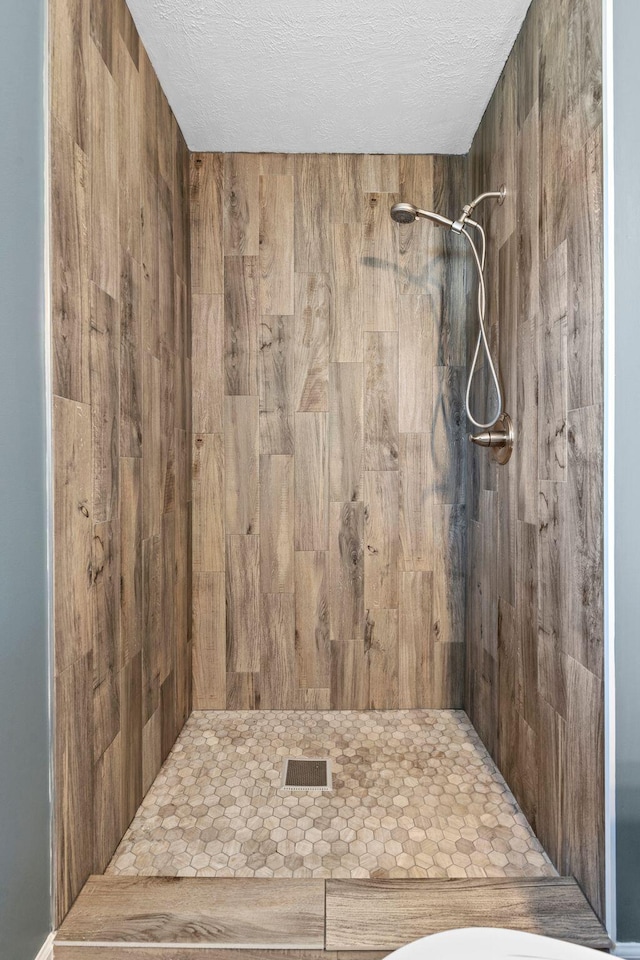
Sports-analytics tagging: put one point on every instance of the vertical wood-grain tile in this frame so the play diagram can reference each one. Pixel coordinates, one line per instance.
(69, 87)
(345, 187)
(584, 555)
(416, 352)
(416, 615)
(277, 650)
(207, 272)
(313, 251)
(312, 324)
(103, 26)
(416, 502)
(312, 633)
(130, 147)
(585, 252)
(70, 186)
(583, 796)
(553, 90)
(151, 432)
(209, 642)
(166, 277)
(346, 566)
(346, 431)
(72, 531)
(276, 245)
(381, 648)
(552, 380)
(108, 815)
(381, 515)
(207, 365)
(241, 465)
(149, 247)
(347, 314)
(277, 164)
(130, 512)
(131, 370)
(527, 214)
(243, 691)
(417, 249)
(105, 412)
(381, 173)
(168, 641)
(584, 72)
(241, 204)
(208, 502)
(241, 325)
(104, 252)
(449, 434)
(152, 625)
(276, 384)
(552, 558)
(379, 263)
(243, 604)
(105, 605)
(150, 750)
(449, 556)
(276, 532)
(349, 675)
(73, 795)
(381, 402)
(130, 775)
(311, 504)
(551, 761)
(129, 33)
(527, 420)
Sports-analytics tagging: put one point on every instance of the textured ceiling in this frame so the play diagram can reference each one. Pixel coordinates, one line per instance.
(353, 76)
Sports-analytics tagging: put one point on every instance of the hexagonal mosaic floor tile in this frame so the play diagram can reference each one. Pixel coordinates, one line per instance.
(415, 794)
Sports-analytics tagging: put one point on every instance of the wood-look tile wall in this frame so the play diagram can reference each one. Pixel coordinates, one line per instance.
(328, 446)
(121, 429)
(535, 591)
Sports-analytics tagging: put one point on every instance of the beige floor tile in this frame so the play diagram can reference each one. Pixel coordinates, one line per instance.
(415, 794)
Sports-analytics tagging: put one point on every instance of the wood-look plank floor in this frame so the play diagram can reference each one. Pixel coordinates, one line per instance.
(345, 919)
(232, 913)
(385, 914)
(91, 951)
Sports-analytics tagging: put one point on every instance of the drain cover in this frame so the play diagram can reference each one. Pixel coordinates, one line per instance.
(302, 773)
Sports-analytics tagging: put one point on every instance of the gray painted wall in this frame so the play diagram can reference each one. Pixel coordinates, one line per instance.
(627, 463)
(24, 724)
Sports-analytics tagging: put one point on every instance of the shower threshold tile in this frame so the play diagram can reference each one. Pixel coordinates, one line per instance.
(414, 794)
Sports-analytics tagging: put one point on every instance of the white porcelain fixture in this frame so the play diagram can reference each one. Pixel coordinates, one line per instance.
(491, 943)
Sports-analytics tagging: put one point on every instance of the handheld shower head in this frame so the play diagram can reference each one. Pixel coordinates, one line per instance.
(407, 213)
(403, 212)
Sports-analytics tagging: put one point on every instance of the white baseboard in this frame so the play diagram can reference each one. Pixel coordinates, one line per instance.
(628, 951)
(46, 950)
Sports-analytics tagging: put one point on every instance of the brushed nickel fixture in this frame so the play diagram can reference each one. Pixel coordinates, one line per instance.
(499, 438)
(408, 213)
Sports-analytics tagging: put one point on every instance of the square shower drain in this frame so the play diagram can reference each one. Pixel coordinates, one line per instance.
(306, 773)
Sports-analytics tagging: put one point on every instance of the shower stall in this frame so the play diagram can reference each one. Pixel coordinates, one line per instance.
(273, 539)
